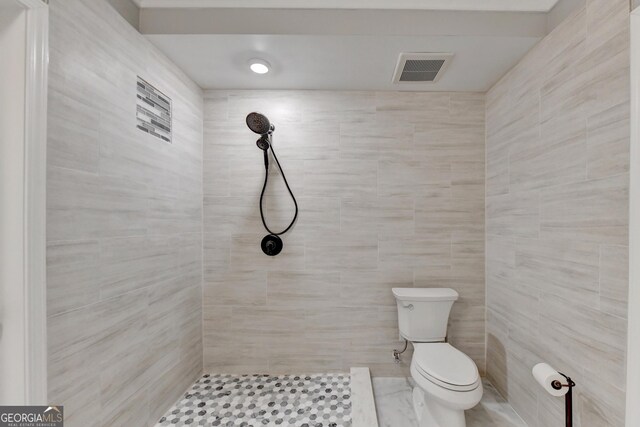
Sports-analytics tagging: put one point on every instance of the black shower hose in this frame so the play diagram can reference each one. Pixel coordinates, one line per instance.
(264, 187)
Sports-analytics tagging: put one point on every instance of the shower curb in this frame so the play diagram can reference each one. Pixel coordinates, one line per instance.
(363, 409)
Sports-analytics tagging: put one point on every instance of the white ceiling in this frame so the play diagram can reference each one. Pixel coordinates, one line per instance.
(342, 49)
(338, 62)
(470, 5)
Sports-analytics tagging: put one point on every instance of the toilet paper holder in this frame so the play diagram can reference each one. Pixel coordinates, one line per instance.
(568, 398)
(556, 384)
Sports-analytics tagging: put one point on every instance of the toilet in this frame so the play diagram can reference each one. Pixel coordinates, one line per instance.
(448, 382)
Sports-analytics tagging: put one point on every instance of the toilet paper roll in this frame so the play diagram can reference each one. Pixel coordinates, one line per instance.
(546, 376)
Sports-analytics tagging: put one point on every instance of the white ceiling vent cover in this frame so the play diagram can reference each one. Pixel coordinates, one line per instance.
(421, 67)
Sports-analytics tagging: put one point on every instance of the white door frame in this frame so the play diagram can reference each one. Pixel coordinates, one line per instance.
(34, 187)
(633, 329)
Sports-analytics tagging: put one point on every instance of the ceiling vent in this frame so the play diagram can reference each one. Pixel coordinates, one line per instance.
(421, 67)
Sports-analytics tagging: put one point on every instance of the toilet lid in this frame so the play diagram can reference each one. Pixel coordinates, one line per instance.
(446, 366)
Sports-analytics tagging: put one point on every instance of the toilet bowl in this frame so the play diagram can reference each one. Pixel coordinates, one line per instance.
(447, 380)
(447, 384)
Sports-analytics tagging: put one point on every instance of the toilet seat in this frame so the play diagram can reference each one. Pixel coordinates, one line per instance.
(445, 366)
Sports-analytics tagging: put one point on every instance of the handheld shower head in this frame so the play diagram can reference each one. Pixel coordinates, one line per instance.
(259, 123)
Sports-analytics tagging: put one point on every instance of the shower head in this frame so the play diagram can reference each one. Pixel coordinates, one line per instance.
(259, 124)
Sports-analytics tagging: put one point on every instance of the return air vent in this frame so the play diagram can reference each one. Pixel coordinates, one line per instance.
(421, 67)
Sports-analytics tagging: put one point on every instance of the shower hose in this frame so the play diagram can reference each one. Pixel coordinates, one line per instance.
(264, 187)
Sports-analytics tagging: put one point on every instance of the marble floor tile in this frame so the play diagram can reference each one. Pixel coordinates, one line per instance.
(393, 402)
(395, 407)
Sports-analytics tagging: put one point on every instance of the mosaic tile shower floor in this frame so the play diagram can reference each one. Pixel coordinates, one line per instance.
(319, 400)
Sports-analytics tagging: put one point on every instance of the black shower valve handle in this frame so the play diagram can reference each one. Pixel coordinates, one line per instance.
(271, 245)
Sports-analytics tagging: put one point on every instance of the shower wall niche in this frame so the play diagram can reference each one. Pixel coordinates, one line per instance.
(391, 193)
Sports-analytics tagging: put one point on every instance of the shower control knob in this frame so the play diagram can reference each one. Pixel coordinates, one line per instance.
(271, 245)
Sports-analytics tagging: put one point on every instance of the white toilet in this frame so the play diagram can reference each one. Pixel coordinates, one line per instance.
(448, 380)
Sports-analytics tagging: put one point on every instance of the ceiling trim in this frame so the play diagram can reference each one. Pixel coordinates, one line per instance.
(341, 22)
(467, 5)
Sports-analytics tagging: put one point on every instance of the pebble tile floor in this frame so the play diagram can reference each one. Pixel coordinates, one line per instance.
(319, 400)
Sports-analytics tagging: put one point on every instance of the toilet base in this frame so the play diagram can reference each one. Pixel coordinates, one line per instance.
(431, 413)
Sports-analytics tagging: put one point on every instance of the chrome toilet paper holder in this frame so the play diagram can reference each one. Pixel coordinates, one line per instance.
(568, 398)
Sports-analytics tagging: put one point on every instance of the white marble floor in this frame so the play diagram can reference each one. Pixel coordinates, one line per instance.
(395, 409)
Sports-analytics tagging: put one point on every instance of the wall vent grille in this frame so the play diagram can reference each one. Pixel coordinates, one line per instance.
(421, 67)
(153, 111)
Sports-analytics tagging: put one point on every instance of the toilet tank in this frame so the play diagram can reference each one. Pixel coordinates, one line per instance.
(423, 313)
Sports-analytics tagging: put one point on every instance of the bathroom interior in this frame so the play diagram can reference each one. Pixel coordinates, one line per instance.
(407, 213)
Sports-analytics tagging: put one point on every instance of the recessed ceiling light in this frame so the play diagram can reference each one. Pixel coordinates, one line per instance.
(259, 66)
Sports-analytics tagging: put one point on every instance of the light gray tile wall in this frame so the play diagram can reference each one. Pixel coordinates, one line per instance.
(557, 221)
(391, 194)
(124, 257)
